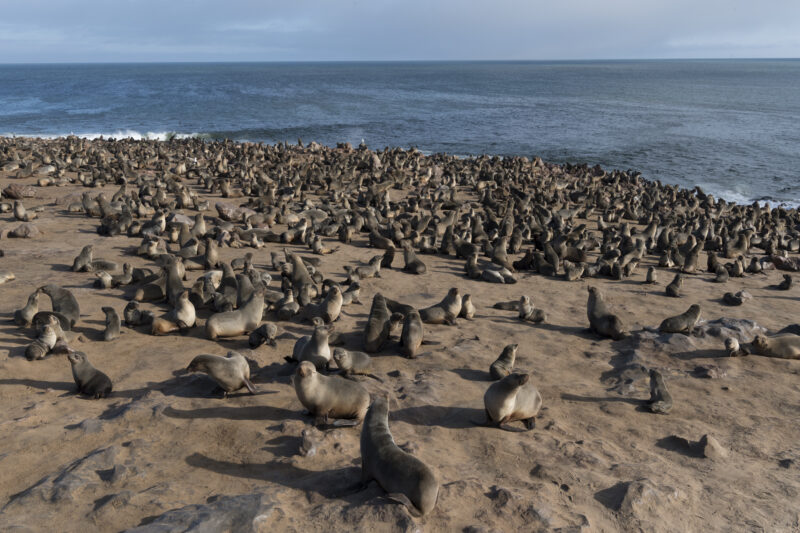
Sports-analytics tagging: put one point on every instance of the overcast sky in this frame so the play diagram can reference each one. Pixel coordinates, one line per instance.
(306, 30)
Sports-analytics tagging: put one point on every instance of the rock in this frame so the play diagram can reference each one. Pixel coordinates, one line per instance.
(69, 482)
(18, 192)
(311, 439)
(709, 372)
(246, 512)
(90, 425)
(646, 501)
(26, 230)
(712, 449)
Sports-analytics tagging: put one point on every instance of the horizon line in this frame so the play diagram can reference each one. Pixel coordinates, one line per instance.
(341, 61)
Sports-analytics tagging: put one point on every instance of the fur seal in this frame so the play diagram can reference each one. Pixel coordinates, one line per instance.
(45, 341)
(181, 318)
(313, 348)
(737, 298)
(328, 309)
(231, 372)
(412, 335)
(786, 284)
(378, 325)
(63, 302)
(89, 380)
(265, 333)
(24, 317)
(239, 322)
(6, 275)
(682, 323)
(353, 362)
(512, 398)
(413, 264)
(660, 399)
(674, 288)
(135, 316)
(112, 324)
(504, 364)
(467, 307)
(446, 311)
(529, 313)
(405, 478)
(601, 320)
(328, 397)
(784, 346)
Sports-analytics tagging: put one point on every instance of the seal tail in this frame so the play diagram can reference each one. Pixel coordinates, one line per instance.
(249, 385)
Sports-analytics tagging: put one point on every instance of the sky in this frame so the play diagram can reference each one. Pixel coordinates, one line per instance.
(54, 31)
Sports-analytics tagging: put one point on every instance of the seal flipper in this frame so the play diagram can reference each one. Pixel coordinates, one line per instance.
(346, 423)
(249, 385)
(399, 497)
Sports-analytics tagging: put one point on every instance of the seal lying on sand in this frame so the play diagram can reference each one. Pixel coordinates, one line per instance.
(512, 398)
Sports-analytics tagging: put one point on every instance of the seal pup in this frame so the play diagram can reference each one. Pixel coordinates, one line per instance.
(328, 397)
(512, 398)
(112, 324)
(682, 323)
(651, 275)
(446, 311)
(405, 478)
(328, 309)
(135, 316)
(660, 399)
(786, 284)
(63, 302)
(24, 317)
(784, 346)
(378, 325)
(527, 312)
(239, 322)
(733, 348)
(89, 380)
(231, 373)
(504, 364)
(601, 320)
(413, 264)
(674, 288)
(412, 335)
(265, 333)
(44, 342)
(352, 362)
(313, 348)
(6, 276)
(737, 298)
(467, 307)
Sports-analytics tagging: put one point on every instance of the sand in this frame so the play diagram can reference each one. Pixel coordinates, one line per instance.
(167, 442)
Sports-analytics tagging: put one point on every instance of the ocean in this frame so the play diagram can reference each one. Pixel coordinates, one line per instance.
(731, 127)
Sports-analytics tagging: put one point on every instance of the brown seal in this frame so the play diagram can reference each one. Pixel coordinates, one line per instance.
(512, 398)
(89, 380)
(231, 372)
(405, 478)
(330, 396)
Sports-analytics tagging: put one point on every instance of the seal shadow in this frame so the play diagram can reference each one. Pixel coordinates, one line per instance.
(680, 445)
(328, 483)
(283, 446)
(39, 384)
(577, 398)
(612, 496)
(701, 354)
(90, 333)
(472, 375)
(578, 331)
(434, 415)
(260, 412)
(60, 267)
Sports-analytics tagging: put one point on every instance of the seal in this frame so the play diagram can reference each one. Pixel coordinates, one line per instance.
(352, 362)
(63, 302)
(405, 478)
(24, 317)
(529, 313)
(313, 348)
(112, 324)
(785, 346)
(378, 325)
(328, 309)
(512, 398)
(601, 320)
(231, 373)
(660, 399)
(239, 322)
(181, 318)
(328, 397)
(446, 311)
(682, 323)
(504, 364)
(412, 335)
(89, 380)
(45, 341)
(265, 333)
(674, 288)
(413, 264)
(135, 316)
(467, 307)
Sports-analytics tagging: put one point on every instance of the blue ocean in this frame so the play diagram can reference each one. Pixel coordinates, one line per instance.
(730, 126)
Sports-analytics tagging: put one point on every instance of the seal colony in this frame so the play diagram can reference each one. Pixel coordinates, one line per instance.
(219, 247)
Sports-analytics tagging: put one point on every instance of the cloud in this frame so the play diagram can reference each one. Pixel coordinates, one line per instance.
(277, 25)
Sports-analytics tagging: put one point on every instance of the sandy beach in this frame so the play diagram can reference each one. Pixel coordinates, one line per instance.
(166, 450)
